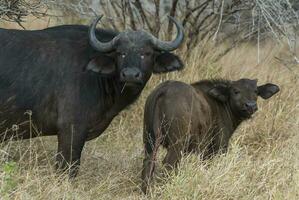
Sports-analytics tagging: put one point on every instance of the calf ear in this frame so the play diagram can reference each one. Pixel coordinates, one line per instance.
(268, 90)
(102, 64)
(219, 92)
(167, 62)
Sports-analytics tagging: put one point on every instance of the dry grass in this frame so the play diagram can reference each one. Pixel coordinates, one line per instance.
(262, 162)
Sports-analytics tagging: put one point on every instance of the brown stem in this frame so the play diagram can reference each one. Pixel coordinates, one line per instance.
(157, 18)
(172, 14)
(132, 20)
(139, 7)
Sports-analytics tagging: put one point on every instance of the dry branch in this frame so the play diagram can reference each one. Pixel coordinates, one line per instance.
(220, 20)
(17, 10)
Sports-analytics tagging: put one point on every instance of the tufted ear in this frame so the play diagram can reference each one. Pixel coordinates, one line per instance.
(268, 90)
(167, 62)
(219, 92)
(102, 64)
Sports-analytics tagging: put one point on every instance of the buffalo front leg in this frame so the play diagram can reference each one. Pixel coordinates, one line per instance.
(71, 140)
(219, 145)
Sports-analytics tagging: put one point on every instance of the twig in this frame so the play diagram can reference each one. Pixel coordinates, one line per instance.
(220, 20)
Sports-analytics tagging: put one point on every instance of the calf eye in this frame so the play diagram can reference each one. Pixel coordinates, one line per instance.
(142, 56)
(123, 55)
(236, 91)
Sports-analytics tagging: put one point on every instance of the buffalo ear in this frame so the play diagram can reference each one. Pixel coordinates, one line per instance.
(102, 64)
(219, 92)
(167, 62)
(268, 90)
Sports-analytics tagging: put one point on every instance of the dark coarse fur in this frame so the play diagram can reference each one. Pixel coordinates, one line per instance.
(44, 71)
(38, 67)
(200, 117)
(56, 74)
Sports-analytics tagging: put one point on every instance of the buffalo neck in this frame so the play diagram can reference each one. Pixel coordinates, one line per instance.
(117, 93)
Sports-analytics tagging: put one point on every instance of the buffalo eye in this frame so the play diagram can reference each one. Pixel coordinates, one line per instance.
(122, 55)
(146, 54)
(236, 91)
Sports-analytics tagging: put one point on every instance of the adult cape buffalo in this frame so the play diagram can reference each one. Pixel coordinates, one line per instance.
(75, 79)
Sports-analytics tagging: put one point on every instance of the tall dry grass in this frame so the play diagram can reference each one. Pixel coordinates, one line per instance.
(262, 161)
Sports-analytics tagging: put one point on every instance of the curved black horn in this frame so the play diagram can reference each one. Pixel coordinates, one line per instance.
(95, 43)
(171, 45)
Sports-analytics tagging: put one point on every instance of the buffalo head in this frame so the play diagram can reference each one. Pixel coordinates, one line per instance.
(135, 55)
(241, 95)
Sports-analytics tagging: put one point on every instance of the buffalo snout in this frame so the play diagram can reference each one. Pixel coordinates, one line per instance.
(131, 75)
(251, 107)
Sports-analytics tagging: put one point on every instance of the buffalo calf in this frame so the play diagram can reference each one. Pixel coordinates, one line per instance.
(200, 117)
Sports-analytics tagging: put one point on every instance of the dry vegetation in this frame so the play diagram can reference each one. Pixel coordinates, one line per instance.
(262, 162)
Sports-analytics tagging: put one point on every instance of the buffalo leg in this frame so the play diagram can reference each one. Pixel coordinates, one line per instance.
(219, 145)
(148, 170)
(174, 155)
(71, 141)
(152, 145)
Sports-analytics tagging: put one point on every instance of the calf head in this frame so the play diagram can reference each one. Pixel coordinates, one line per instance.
(134, 55)
(242, 95)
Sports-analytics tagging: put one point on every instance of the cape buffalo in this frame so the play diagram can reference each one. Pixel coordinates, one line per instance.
(200, 117)
(75, 79)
